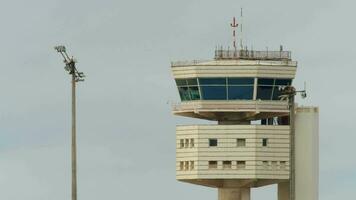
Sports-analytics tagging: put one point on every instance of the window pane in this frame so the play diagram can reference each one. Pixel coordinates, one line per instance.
(184, 94)
(213, 92)
(240, 81)
(181, 82)
(213, 164)
(276, 93)
(192, 81)
(265, 81)
(213, 142)
(241, 142)
(212, 81)
(264, 92)
(240, 92)
(194, 93)
(283, 81)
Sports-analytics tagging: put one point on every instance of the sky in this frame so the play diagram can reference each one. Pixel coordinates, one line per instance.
(126, 132)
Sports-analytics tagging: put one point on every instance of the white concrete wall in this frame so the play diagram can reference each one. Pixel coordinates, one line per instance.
(253, 153)
(307, 153)
(237, 68)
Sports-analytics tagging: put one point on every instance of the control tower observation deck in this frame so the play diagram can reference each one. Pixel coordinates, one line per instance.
(249, 146)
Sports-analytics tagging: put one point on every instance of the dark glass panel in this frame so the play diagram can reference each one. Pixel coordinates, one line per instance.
(212, 81)
(264, 92)
(283, 81)
(181, 82)
(276, 93)
(240, 81)
(194, 93)
(213, 92)
(184, 93)
(240, 92)
(213, 142)
(265, 81)
(192, 81)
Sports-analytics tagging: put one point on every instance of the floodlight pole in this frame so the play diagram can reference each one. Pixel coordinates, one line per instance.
(76, 77)
(74, 141)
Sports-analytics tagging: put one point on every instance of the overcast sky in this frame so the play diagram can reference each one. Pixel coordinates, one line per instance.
(126, 133)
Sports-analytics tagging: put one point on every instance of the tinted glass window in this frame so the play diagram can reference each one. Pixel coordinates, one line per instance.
(213, 142)
(194, 93)
(283, 81)
(240, 81)
(265, 81)
(213, 92)
(276, 93)
(264, 92)
(212, 81)
(181, 82)
(240, 92)
(192, 81)
(184, 94)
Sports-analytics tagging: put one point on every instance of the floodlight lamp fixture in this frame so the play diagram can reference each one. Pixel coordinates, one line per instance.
(60, 49)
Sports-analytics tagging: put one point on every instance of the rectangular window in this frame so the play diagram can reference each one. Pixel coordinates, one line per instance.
(194, 93)
(264, 142)
(241, 142)
(191, 165)
(226, 164)
(241, 164)
(181, 82)
(282, 164)
(213, 92)
(186, 143)
(213, 164)
(184, 93)
(274, 164)
(181, 144)
(213, 142)
(186, 165)
(191, 142)
(181, 165)
(240, 92)
(265, 164)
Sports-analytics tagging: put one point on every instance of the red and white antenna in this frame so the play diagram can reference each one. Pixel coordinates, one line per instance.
(234, 25)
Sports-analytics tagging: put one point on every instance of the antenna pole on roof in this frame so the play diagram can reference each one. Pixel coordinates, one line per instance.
(234, 25)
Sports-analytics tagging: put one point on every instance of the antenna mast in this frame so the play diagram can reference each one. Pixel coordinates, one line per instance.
(241, 22)
(234, 25)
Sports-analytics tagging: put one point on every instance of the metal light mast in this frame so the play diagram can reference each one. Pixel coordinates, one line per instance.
(76, 77)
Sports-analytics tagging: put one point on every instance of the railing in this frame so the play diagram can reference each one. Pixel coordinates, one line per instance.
(252, 55)
(187, 63)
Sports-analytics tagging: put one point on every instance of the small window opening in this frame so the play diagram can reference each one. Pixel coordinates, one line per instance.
(213, 142)
(191, 142)
(213, 164)
(191, 165)
(264, 142)
(181, 143)
(181, 165)
(283, 164)
(241, 164)
(241, 142)
(186, 143)
(226, 164)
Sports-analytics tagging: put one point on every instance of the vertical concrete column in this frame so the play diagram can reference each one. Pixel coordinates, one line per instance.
(234, 193)
(283, 191)
(307, 153)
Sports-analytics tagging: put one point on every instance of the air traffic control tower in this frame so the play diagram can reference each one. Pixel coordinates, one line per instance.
(261, 137)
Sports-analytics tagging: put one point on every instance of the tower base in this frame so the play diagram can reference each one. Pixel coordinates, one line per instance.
(234, 193)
